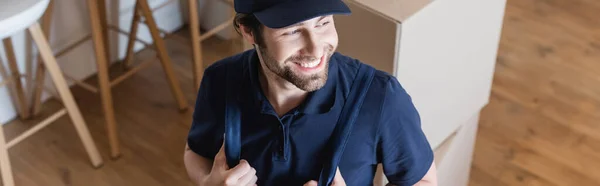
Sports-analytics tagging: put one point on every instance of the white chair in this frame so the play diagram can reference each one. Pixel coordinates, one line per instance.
(20, 15)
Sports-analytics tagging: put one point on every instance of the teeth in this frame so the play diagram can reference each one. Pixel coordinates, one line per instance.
(309, 65)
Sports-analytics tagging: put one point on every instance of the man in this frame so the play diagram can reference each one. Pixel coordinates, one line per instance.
(292, 88)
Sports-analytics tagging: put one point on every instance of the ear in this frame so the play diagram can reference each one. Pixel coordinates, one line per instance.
(247, 34)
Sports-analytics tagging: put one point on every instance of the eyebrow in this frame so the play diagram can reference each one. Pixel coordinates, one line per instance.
(302, 23)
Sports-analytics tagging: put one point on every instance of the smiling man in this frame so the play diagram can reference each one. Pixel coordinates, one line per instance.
(292, 88)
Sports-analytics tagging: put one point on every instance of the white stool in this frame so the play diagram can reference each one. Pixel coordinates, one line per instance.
(16, 16)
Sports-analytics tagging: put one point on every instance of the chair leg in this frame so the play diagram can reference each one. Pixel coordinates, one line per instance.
(65, 94)
(103, 79)
(162, 54)
(40, 74)
(16, 76)
(38, 88)
(5, 168)
(132, 37)
(6, 81)
(196, 45)
(4, 74)
(104, 25)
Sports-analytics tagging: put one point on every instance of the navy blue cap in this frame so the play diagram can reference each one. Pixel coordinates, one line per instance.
(282, 13)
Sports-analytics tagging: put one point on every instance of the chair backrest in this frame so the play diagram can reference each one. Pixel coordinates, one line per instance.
(17, 15)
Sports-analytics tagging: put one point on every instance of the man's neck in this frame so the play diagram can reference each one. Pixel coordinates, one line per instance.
(283, 95)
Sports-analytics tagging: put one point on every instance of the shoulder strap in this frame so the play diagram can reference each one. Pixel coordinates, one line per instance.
(233, 114)
(339, 139)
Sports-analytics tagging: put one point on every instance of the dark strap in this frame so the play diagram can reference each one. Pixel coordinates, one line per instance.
(339, 139)
(233, 146)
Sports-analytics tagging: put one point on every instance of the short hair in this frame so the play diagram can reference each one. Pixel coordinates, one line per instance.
(250, 21)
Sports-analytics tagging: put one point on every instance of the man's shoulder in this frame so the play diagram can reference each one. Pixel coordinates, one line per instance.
(216, 76)
(384, 87)
(349, 67)
(238, 59)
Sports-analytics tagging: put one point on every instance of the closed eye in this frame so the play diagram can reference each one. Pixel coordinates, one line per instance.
(323, 24)
(292, 32)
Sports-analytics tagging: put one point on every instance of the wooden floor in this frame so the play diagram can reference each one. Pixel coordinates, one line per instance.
(542, 126)
(152, 130)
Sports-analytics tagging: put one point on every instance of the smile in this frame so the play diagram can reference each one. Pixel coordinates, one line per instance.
(311, 66)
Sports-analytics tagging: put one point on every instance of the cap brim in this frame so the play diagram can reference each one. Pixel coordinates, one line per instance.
(293, 12)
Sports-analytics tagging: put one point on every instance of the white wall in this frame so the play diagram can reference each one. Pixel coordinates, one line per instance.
(70, 23)
(213, 13)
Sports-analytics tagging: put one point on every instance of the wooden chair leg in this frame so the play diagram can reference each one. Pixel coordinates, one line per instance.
(38, 88)
(5, 168)
(4, 74)
(103, 79)
(132, 37)
(16, 76)
(162, 54)
(101, 4)
(6, 81)
(196, 45)
(40, 74)
(65, 94)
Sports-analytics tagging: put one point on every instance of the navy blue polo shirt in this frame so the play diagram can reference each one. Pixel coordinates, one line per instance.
(287, 150)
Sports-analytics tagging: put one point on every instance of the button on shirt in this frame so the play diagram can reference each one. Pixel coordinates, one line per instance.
(288, 150)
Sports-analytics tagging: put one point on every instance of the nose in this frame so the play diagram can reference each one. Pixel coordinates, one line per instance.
(313, 45)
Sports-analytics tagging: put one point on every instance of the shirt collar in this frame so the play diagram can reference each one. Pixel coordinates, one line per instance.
(318, 102)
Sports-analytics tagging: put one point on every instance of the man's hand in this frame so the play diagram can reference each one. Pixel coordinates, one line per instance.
(220, 175)
(338, 180)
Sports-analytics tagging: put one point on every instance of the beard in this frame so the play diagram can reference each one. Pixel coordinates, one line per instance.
(284, 70)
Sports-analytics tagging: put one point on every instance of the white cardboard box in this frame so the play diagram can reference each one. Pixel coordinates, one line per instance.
(443, 52)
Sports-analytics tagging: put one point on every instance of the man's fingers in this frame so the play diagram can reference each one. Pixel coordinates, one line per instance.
(220, 159)
(338, 180)
(239, 170)
(249, 178)
(311, 183)
(338, 175)
(253, 181)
